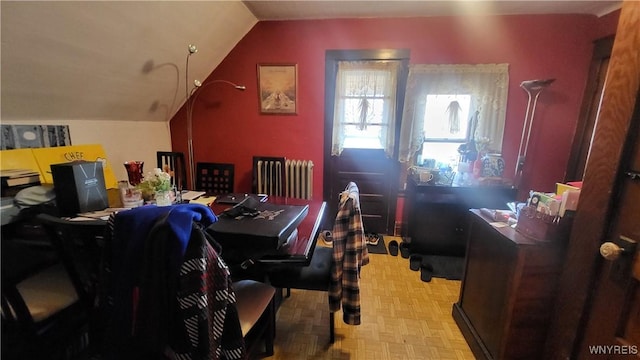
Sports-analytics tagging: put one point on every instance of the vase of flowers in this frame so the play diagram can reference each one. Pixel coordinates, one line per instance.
(156, 185)
(163, 198)
(482, 146)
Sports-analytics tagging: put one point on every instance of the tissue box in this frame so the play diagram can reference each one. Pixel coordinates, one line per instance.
(79, 187)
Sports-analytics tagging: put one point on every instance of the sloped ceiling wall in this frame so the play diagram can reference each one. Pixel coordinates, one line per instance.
(125, 60)
(110, 60)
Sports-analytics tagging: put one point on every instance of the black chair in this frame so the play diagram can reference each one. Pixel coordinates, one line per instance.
(173, 289)
(214, 178)
(44, 313)
(257, 314)
(79, 245)
(317, 275)
(173, 162)
(269, 175)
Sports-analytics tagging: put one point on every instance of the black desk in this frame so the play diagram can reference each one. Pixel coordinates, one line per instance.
(437, 215)
(299, 250)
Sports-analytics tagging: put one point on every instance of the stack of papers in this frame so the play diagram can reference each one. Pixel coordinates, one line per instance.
(204, 200)
(97, 215)
(13, 177)
(191, 195)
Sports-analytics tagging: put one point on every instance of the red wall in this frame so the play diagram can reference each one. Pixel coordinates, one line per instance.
(229, 128)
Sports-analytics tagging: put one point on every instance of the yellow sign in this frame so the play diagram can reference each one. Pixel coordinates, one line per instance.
(40, 160)
(64, 154)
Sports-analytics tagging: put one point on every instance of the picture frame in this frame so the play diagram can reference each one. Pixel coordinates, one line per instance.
(278, 88)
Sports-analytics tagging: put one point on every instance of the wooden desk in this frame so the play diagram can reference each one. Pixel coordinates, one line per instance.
(299, 251)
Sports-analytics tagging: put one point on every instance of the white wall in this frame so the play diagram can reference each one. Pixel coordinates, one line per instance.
(122, 140)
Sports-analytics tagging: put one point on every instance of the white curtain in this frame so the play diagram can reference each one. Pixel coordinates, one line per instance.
(486, 83)
(366, 80)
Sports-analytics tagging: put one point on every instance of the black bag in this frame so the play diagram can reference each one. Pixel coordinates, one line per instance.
(247, 237)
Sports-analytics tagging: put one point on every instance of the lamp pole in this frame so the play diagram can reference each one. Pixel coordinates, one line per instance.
(533, 88)
(191, 97)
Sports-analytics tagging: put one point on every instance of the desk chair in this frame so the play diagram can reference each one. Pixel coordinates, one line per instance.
(42, 314)
(79, 246)
(214, 178)
(316, 276)
(160, 262)
(269, 175)
(336, 262)
(174, 162)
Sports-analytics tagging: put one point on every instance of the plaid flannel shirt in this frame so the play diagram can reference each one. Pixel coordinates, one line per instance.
(349, 255)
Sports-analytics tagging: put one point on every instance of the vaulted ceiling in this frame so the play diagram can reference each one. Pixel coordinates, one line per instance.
(125, 60)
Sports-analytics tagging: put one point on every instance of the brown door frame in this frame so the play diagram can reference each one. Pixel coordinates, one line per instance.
(619, 99)
(331, 62)
(589, 109)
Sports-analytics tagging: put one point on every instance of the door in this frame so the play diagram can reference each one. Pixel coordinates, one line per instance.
(597, 304)
(375, 173)
(613, 326)
(613, 320)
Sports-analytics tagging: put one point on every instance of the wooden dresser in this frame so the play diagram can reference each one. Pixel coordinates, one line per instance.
(507, 291)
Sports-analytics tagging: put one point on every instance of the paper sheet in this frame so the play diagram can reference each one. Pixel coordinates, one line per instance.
(499, 224)
(192, 195)
(204, 200)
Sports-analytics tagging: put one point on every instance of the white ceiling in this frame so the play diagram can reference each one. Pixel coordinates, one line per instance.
(327, 9)
(125, 60)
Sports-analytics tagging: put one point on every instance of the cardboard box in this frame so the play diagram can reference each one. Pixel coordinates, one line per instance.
(541, 227)
(79, 187)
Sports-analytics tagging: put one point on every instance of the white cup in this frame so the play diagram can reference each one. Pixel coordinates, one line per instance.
(426, 176)
(131, 197)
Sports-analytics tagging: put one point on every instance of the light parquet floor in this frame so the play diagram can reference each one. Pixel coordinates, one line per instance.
(402, 318)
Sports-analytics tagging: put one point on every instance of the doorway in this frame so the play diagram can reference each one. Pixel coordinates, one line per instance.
(373, 169)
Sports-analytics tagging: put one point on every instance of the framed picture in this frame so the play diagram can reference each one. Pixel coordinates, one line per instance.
(278, 88)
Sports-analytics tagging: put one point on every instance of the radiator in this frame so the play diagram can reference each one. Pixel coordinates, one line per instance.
(299, 179)
(270, 179)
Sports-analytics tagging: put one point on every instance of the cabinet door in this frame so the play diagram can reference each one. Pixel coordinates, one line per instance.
(486, 289)
(438, 228)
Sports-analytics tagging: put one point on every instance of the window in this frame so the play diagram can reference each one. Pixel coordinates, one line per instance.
(446, 125)
(365, 103)
(432, 132)
(363, 120)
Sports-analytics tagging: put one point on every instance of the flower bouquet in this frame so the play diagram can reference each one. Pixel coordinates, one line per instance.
(155, 184)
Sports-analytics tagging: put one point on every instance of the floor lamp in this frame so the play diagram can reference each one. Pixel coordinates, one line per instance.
(533, 89)
(191, 96)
